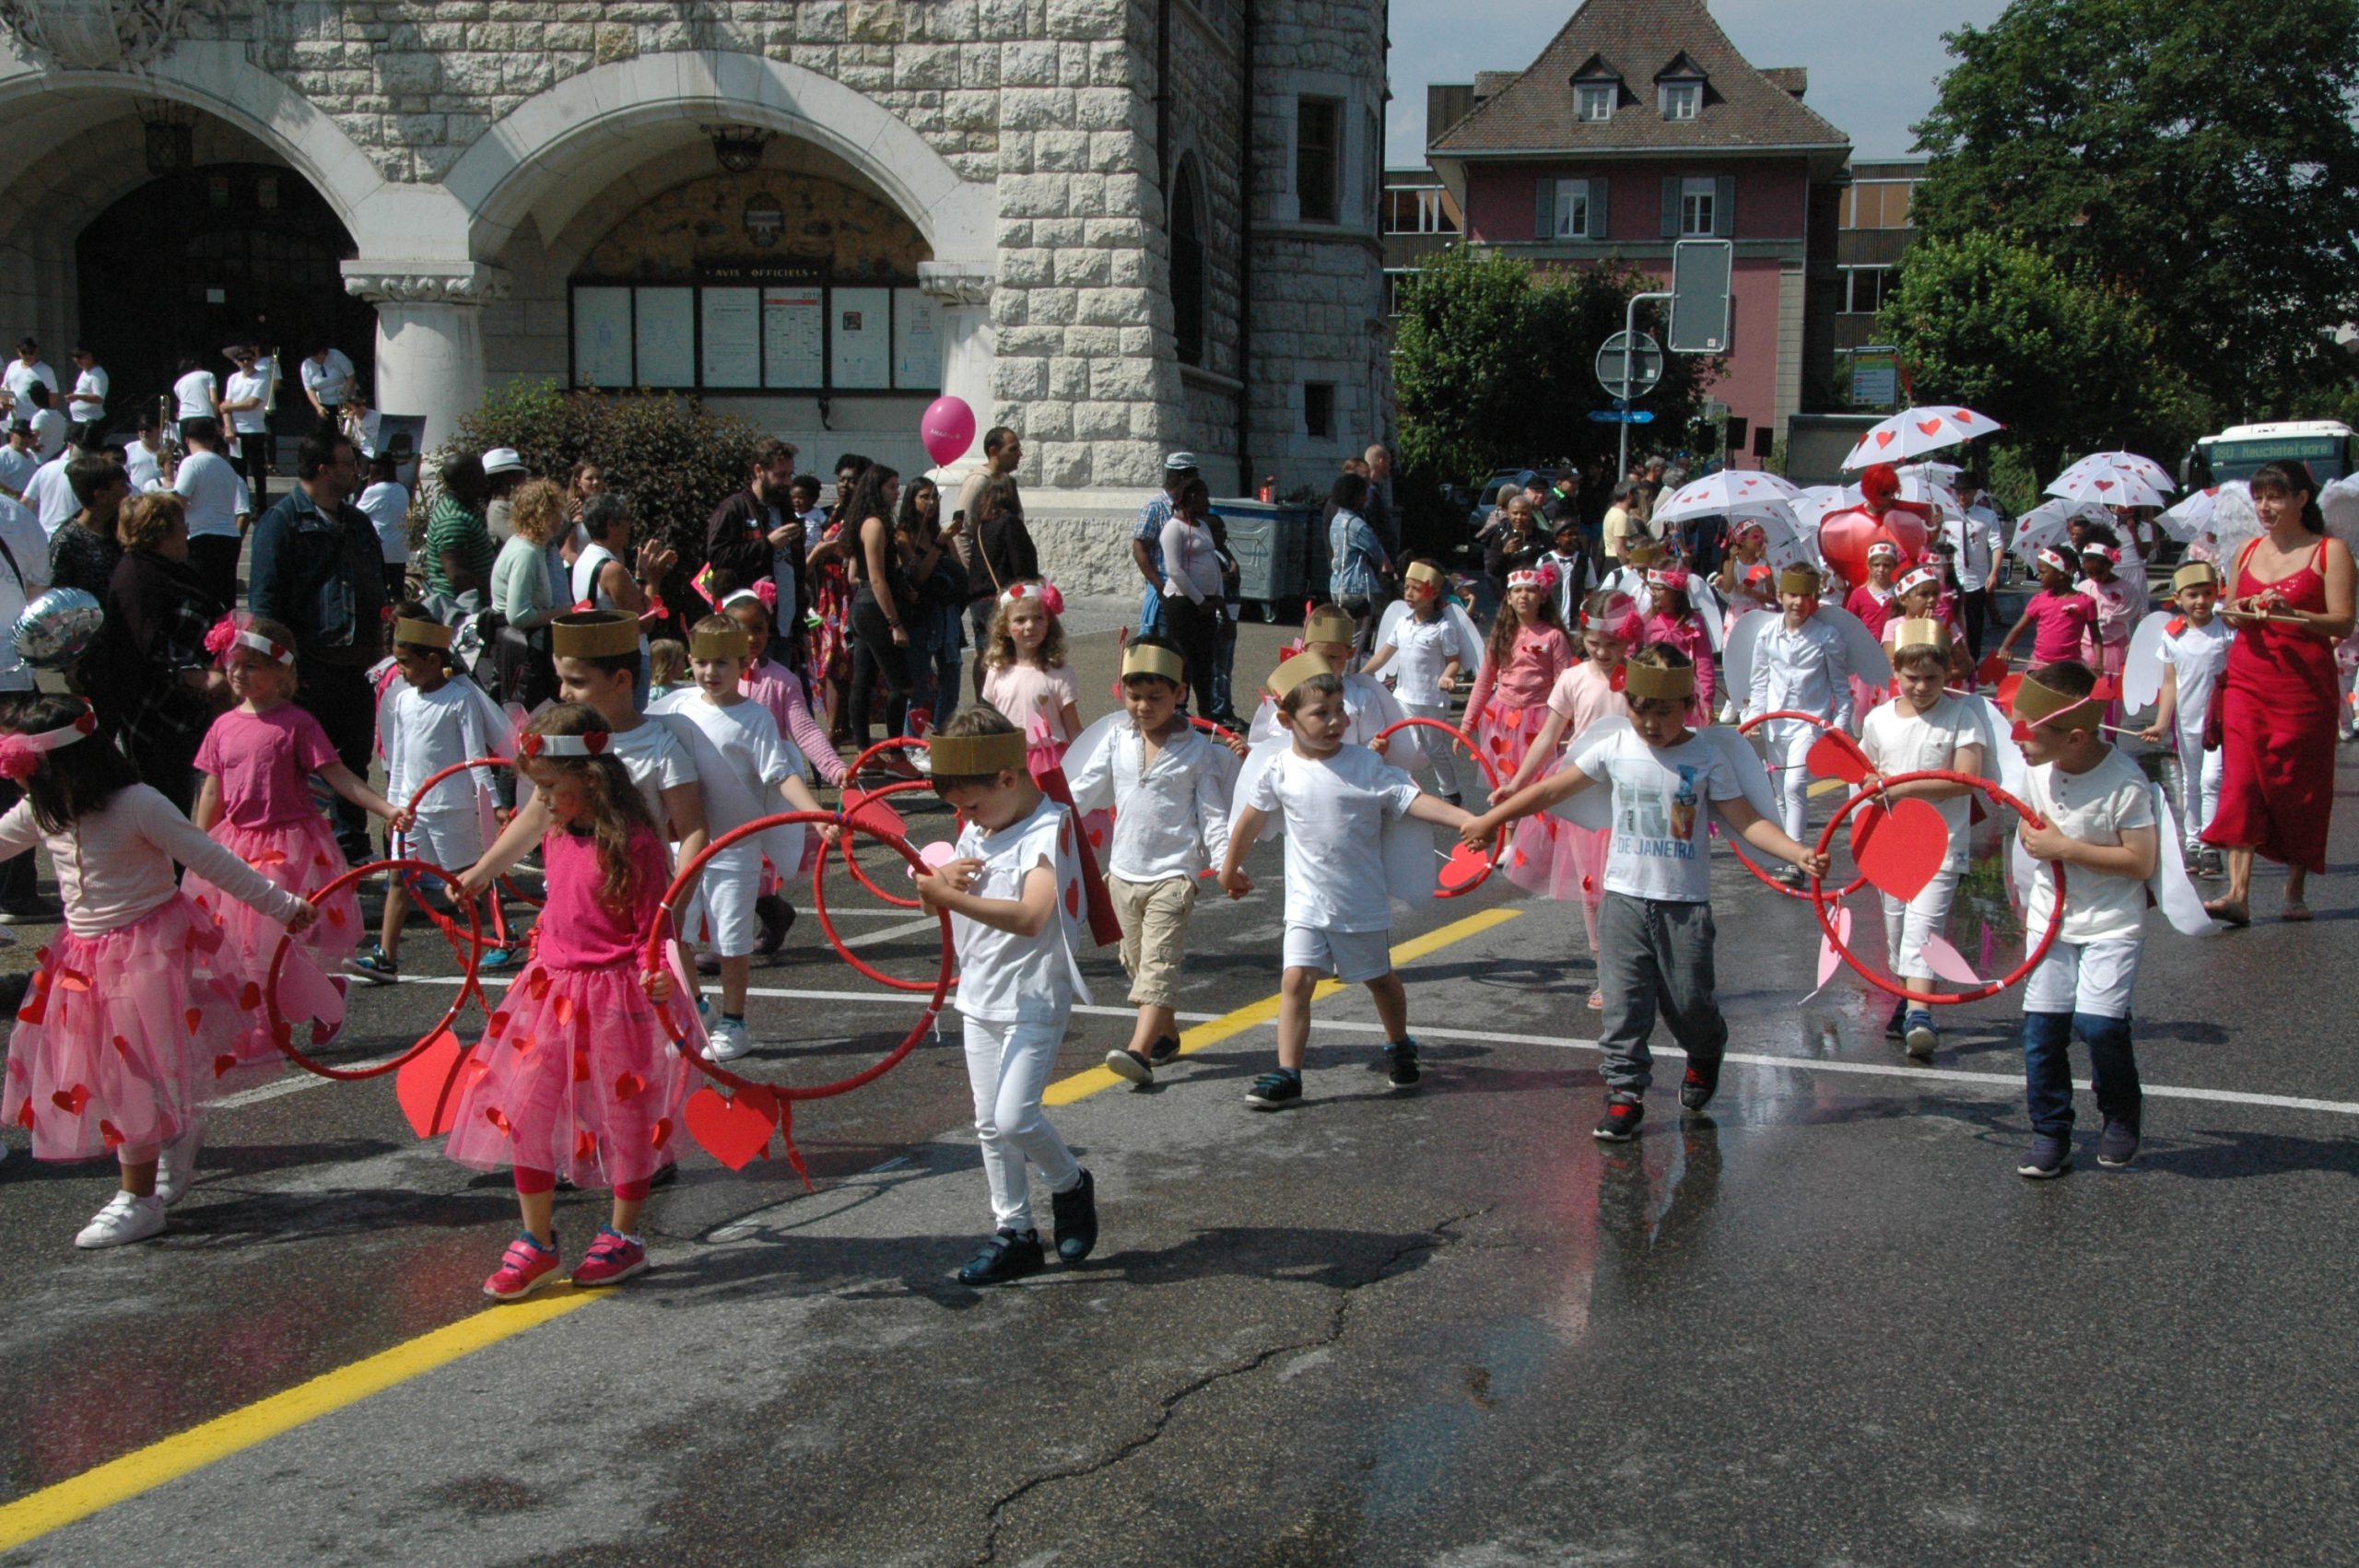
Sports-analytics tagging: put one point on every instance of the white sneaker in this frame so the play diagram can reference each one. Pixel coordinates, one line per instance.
(176, 1166)
(125, 1219)
(727, 1040)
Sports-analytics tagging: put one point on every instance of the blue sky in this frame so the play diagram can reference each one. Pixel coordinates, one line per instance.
(1873, 63)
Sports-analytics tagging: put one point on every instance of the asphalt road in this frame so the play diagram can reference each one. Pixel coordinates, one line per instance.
(1828, 1325)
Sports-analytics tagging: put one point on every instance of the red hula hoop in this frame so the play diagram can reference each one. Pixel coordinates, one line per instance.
(835, 937)
(1490, 781)
(505, 883)
(665, 929)
(1737, 849)
(1209, 728)
(283, 1033)
(1819, 900)
(854, 797)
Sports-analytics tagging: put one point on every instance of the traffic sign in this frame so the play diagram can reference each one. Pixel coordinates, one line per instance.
(1645, 360)
(1623, 417)
(1699, 296)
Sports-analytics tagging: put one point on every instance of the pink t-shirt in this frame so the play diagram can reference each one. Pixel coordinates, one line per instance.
(1582, 696)
(1017, 692)
(576, 928)
(1687, 635)
(2116, 609)
(265, 762)
(2058, 621)
(779, 689)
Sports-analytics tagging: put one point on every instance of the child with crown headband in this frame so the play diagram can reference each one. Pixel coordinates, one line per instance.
(1328, 633)
(2094, 816)
(1800, 664)
(2194, 652)
(1526, 651)
(580, 1071)
(1675, 622)
(137, 1014)
(258, 761)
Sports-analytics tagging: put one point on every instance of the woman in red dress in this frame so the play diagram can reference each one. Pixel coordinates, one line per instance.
(2291, 602)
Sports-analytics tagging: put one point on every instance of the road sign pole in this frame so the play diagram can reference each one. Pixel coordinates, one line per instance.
(1630, 374)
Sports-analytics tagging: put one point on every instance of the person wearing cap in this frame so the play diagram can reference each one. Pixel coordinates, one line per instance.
(460, 551)
(18, 462)
(2194, 652)
(244, 416)
(1871, 600)
(1922, 729)
(52, 430)
(1800, 664)
(2093, 813)
(2059, 616)
(1147, 537)
(503, 470)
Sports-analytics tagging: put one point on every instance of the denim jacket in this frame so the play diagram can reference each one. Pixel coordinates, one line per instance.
(322, 577)
(1352, 551)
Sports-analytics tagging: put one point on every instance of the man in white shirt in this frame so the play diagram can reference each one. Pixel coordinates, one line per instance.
(50, 426)
(26, 369)
(243, 401)
(50, 496)
(86, 405)
(196, 396)
(1981, 540)
(215, 500)
(327, 379)
(141, 457)
(18, 462)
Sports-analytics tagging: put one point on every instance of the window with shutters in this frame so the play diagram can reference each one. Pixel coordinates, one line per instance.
(1594, 100)
(1318, 157)
(1698, 198)
(1572, 209)
(1188, 263)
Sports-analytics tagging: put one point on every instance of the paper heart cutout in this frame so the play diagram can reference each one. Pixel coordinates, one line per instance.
(1836, 756)
(305, 991)
(108, 1134)
(1991, 671)
(427, 1088)
(2008, 686)
(223, 1065)
(498, 1118)
(1902, 849)
(661, 1133)
(1466, 864)
(876, 818)
(1072, 898)
(1828, 959)
(734, 1132)
(122, 1044)
(585, 1146)
(628, 1085)
(193, 1017)
(71, 1101)
(1949, 963)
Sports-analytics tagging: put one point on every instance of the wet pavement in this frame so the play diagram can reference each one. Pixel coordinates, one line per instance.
(1828, 1325)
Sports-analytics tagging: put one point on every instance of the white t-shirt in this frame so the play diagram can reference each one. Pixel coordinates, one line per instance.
(49, 432)
(741, 761)
(140, 464)
(197, 392)
(2199, 654)
(243, 384)
(1003, 977)
(213, 493)
(1661, 814)
(18, 465)
(425, 732)
(387, 506)
(657, 759)
(1425, 647)
(328, 379)
(51, 497)
(88, 400)
(1911, 742)
(20, 376)
(2094, 807)
(21, 531)
(1335, 809)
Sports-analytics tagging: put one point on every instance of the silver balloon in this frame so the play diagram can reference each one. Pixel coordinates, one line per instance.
(58, 629)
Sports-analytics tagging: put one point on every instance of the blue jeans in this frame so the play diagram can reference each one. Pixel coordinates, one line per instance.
(1150, 609)
(2047, 1069)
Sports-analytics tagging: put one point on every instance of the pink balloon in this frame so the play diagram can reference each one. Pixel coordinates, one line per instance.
(948, 429)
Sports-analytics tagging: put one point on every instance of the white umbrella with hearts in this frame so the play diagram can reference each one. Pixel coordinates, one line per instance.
(2049, 522)
(2108, 485)
(1732, 494)
(2146, 468)
(2192, 517)
(1915, 432)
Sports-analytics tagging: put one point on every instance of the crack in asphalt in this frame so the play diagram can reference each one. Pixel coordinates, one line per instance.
(1434, 1237)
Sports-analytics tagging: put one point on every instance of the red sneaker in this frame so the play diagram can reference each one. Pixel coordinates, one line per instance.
(612, 1258)
(524, 1268)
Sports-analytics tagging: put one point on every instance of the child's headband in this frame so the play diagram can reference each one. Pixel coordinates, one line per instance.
(1798, 579)
(717, 644)
(1674, 578)
(1886, 548)
(1542, 577)
(531, 744)
(1917, 632)
(2195, 574)
(592, 634)
(1292, 672)
(20, 754)
(1921, 578)
(1045, 593)
(2038, 705)
(1655, 682)
(1327, 624)
(1419, 572)
(976, 756)
(232, 631)
(2056, 559)
(421, 634)
(1146, 659)
(1619, 619)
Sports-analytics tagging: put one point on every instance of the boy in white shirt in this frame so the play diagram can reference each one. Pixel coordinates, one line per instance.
(386, 502)
(1168, 789)
(1922, 729)
(744, 767)
(1329, 633)
(1800, 664)
(1013, 895)
(18, 462)
(2100, 824)
(2194, 652)
(1427, 651)
(1654, 930)
(1336, 800)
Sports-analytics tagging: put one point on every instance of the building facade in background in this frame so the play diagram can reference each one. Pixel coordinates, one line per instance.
(1875, 232)
(1122, 225)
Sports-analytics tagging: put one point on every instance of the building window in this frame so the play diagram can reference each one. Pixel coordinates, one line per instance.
(1418, 209)
(1696, 195)
(1318, 159)
(1681, 101)
(1188, 265)
(1319, 409)
(1396, 284)
(752, 330)
(1878, 203)
(1572, 209)
(1594, 100)
(1864, 289)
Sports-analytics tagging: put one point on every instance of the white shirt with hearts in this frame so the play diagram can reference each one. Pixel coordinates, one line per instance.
(1898, 739)
(1006, 978)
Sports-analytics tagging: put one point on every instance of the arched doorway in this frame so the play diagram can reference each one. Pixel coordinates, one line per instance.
(204, 257)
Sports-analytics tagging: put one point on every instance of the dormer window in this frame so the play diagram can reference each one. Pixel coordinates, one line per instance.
(1594, 100)
(1681, 99)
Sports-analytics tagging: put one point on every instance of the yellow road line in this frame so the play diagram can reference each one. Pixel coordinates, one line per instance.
(1081, 1085)
(1827, 787)
(118, 1480)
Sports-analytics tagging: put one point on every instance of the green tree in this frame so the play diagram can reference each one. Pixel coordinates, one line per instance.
(2071, 365)
(2199, 156)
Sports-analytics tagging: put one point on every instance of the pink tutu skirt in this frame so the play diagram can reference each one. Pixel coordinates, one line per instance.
(1505, 734)
(125, 1035)
(301, 857)
(577, 1072)
(1556, 860)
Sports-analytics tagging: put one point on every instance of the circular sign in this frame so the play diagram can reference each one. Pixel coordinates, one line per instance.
(1646, 365)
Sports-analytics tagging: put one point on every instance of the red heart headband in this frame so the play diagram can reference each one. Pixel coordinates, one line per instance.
(1920, 578)
(1045, 593)
(20, 754)
(1542, 577)
(1620, 620)
(535, 745)
(1676, 579)
(2050, 556)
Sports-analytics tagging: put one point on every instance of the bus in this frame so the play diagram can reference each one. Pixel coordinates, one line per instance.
(2328, 446)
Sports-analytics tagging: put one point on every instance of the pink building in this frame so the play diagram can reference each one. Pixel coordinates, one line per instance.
(1639, 125)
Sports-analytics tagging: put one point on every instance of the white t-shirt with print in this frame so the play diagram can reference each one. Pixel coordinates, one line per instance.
(1663, 814)
(1335, 809)
(1911, 742)
(1006, 978)
(1425, 647)
(2095, 807)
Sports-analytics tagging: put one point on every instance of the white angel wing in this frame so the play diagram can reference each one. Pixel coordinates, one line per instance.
(1869, 660)
(1256, 762)
(1737, 657)
(1265, 727)
(1374, 709)
(2233, 522)
(1471, 636)
(1084, 750)
(2002, 759)
(1706, 602)
(1752, 777)
(2142, 671)
(1393, 617)
(1411, 868)
(2339, 499)
(1591, 808)
(2173, 893)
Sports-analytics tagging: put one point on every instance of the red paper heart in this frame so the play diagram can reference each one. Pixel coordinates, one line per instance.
(1836, 756)
(122, 1044)
(1072, 898)
(585, 1146)
(1844, 538)
(581, 1066)
(628, 1085)
(1991, 671)
(538, 983)
(249, 997)
(563, 1008)
(734, 1132)
(662, 1132)
(2005, 696)
(1899, 851)
(108, 1134)
(71, 1101)
(193, 1017)
(1466, 863)
(497, 1118)
(223, 1064)
(426, 1086)
(24, 1113)
(877, 818)
(496, 1026)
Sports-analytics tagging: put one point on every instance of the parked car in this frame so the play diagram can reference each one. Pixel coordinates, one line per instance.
(1486, 493)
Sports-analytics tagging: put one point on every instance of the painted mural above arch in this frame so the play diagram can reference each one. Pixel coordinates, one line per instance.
(767, 217)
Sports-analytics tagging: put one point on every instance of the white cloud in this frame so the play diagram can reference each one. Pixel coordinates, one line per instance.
(1873, 64)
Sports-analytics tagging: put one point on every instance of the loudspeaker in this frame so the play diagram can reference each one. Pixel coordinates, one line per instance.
(1737, 426)
(1765, 440)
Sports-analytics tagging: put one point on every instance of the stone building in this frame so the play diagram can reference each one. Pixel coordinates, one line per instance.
(1122, 225)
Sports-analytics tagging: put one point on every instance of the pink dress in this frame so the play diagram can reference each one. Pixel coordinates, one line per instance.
(2105, 646)
(1509, 704)
(579, 1071)
(271, 821)
(139, 1010)
(1034, 699)
(1687, 635)
(1549, 854)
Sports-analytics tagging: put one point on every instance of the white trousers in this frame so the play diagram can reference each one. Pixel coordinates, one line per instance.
(1906, 926)
(2094, 977)
(2198, 788)
(1789, 743)
(1437, 748)
(1009, 1065)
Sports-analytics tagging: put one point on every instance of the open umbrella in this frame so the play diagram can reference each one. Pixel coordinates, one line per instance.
(2108, 484)
(1914, 432)
(1730, 494)
(2192, 517)
(2146, 468)
(2046, 524)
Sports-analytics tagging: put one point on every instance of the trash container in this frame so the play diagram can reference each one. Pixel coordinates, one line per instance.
(1280, 557)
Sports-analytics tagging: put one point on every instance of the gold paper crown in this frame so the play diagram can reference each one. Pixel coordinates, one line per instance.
(1800, 579)
(1420, 573)
(2036, 705)
(425, 634)
(1917, 632)
(1328, 623)
(1650, 682)
(1293, 672)
(734, 643)
(592, 634)
(2195, 574)
(1641, 552)
(1146, 659)
(976, 756)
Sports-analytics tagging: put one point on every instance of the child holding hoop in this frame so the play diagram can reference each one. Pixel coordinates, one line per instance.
(1800, 664)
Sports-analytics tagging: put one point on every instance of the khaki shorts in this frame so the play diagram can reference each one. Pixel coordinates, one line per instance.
(1154, 932)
